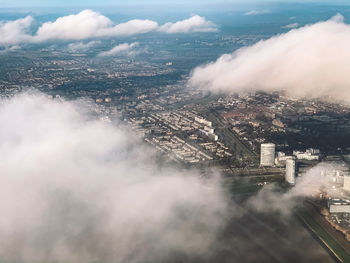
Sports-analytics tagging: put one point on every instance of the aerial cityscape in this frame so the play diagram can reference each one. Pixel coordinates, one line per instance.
(171, 131)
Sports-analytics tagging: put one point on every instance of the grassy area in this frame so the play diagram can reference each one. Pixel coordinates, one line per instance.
(244, 188)
(241, 186)
(328, 241)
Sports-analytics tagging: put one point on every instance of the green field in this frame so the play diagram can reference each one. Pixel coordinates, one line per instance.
(241, 186)
(244, 188)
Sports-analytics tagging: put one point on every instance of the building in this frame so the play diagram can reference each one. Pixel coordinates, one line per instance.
(203, 121)
(267, 112)
(278, 123)
(211, 136)
(346, 185)
(309, 154)
(339, 206)
(209, 129)
(291, 170)
(267, 154)
(281, 158)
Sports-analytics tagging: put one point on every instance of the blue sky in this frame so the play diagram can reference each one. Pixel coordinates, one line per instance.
(51, 3)
(108, 2)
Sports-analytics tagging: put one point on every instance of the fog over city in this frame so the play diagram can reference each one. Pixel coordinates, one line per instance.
(271, 200)
(78, 189)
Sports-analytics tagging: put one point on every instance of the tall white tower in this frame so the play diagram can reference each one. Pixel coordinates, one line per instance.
(346, 185)
(290, 170)
(267, 154)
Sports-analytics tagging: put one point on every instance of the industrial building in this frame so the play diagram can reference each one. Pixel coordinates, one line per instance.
(339, 206)
(309, 154)
(291, 170)
(267, 154)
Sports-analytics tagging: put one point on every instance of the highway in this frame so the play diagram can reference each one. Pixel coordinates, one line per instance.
(231, 139)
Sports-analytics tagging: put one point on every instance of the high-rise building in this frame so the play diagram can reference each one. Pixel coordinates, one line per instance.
(291, 170)
(346, 185)
(267, 154)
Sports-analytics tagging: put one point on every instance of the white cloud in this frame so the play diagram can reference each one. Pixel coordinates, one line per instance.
(13, 32)
(132, 27)
(77, 189)
(90, 24)
(125, 49)
(74, 27)
(289, 26)
(82, 47)
(257, 12)
(312, 61)
(193, 24)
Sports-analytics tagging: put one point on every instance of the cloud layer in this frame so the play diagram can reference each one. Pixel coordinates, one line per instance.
(77, 189)
(121, 49)
(312, 61)
(89, 24)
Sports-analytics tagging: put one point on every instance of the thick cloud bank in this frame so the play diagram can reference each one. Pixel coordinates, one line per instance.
(312, 61)
(75, 189)
(89, 24)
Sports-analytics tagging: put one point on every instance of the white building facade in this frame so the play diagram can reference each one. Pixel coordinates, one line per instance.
(267, 154)
(290, 170)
